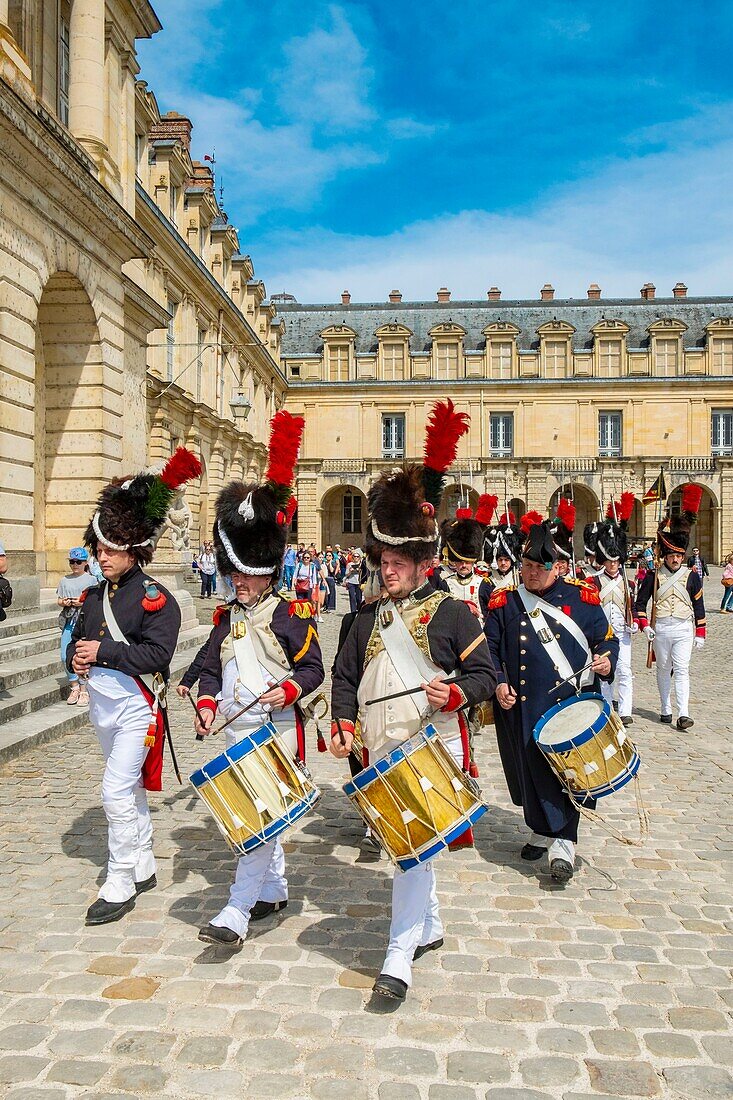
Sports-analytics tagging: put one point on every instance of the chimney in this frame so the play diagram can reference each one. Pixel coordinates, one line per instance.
(173, 125)
(679, 290)
(594, 292)
(395, 296)
(648, 291)
(444, 294)
(345, 298)
(547, 293)
(494, 294)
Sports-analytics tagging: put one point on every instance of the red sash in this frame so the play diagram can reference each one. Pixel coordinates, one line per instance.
(152, 769)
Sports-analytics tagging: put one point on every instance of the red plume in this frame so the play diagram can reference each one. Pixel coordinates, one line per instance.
(504, 519)
(286, 432)
(529, 519)
(290, 510)
(566, 513)
(691, 499)
(444, 428)
(612, 510)
(487, 503)
(626, 507)
(464, 513)
(180, 467)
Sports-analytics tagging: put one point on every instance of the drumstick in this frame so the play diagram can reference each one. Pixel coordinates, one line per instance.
(411, 691)
(339, 727)
(189, 696)
(249, 706)
(580, 672)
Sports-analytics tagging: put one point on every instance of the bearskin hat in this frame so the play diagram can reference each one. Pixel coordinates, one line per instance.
(590, 538)
(252, 520)
(673, 533)
(462, 539)
(539, 544)
(402, 503)
(611, 537)
(131, 510)
(563, 526)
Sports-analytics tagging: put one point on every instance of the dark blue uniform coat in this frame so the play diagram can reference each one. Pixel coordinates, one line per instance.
(515, 647)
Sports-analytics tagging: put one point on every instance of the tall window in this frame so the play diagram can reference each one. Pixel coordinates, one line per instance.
(171, 338)
(352, 514)
(394, 361)
(64, 67)
(200, 363)
(500, 359)
(665, 358)
(140, 145)
(174, 192)
(338, 363)
(446, 360)
(501, 435)
(723, 356)
(609, 358)
(609, 433)
(556, 359)
(393, 436)
(721, 439)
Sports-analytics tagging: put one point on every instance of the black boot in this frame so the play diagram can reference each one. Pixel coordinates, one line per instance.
(392, 988)
(423, 948)
(262, 909)
(146, 884)
(220, 937)
(104, 912)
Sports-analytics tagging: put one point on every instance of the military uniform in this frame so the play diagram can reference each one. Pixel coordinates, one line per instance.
(492, 584)
(612, 591)
(680, 618)
(449, 639)
(525, 663)
(465, 589)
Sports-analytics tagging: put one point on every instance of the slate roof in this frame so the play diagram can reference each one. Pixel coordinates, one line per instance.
(304, 323)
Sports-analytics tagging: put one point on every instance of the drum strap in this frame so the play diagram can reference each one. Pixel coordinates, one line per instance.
(249, 670)
(153, 681)
(539, 611)
(409, 662)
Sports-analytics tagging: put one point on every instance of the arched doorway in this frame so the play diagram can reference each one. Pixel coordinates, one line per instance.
(703, 533)
(587, 509)
(71, 458)
(343, 512)
(456, 496)
(516, 505)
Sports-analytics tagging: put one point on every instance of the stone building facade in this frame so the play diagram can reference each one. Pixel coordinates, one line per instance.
(129, 320)
(587, 397)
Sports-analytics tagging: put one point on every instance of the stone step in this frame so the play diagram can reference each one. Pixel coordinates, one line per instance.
(29, 645)
(26, 670)
(19, 623)
(53, 721)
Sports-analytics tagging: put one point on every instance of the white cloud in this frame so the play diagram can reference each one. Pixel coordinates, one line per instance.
(661, 218)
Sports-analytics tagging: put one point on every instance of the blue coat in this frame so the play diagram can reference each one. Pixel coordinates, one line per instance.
(520, 657)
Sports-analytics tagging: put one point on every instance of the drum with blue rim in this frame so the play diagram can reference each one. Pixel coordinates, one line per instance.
(587, 746)
(255, 790)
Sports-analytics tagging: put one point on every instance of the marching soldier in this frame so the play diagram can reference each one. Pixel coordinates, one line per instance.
(411, 639)
(507, 542)
(611, 555)
(547, 629)
(123, 643)
(563, 529)
(462, 541)
(678, 610)
(263, 649)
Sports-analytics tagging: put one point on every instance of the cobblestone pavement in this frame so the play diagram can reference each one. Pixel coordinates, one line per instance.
(617, 985)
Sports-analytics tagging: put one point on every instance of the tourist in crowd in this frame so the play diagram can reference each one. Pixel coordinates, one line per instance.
(321, 589)
(697, 562)
(332, 567)
(289, 562)
(70, 596)
(356, 575)
(306, 578)
(207, 570)
(726, 604)
(6, 592)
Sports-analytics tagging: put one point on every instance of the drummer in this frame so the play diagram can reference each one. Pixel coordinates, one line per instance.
(417, 636)
(263, 646)
(532, 653)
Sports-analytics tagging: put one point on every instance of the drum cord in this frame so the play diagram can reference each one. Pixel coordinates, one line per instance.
(610, 889)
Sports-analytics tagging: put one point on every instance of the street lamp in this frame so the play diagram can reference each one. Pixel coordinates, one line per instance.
(240, 405)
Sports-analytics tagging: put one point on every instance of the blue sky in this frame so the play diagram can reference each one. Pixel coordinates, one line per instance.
(366, 146)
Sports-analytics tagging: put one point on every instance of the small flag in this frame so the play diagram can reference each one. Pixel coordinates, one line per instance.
(207, 157)
(658, 491)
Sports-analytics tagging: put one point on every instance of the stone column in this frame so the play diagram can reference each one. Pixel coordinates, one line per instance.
(4, 5)
(14, 67)
(87, 77)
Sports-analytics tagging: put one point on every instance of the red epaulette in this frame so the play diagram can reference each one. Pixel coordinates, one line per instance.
(84, 595)
(304, 609)
(498, 597)
(590, 594)
(219, 612)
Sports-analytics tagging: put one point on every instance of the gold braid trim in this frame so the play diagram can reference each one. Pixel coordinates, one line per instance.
(418, 630)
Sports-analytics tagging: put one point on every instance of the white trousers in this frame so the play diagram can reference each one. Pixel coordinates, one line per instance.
(415, 908)
(673, 649)
(622, 684)
(260, 874)
(122, 724)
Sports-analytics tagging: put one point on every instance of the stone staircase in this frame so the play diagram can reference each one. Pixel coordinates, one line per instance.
(33, 687)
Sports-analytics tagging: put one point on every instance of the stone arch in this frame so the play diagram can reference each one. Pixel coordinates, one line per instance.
(343, 515)
(70, 422)
(456, 496)
(704, 533)
(587, 508)
(516, 505)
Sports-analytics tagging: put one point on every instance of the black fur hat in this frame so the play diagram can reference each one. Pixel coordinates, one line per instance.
(539, 545)
(509, 540)
(590, 538)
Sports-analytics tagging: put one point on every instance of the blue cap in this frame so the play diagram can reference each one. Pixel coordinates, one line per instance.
(78, 553)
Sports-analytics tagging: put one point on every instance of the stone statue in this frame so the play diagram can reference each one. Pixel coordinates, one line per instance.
(178, 522)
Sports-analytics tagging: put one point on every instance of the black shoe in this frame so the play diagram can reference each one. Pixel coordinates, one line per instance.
(104, 912)
(532, 852)
(393, 988)
(627, 720)
(665, 719)
(423, 949)
(370, 843)
(684, 722)
(262, 909)
(561, 870)
(222, 937)
(146, 884)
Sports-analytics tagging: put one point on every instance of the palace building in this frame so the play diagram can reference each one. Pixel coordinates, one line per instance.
(577, 397)
(130, 321)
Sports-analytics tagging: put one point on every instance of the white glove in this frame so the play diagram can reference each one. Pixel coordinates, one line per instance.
(650, 633)
(699, 643)
(634, 628)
